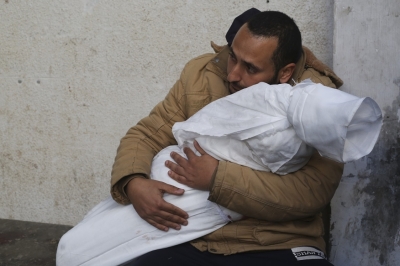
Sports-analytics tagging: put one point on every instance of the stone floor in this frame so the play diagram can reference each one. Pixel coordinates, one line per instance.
(28, 243)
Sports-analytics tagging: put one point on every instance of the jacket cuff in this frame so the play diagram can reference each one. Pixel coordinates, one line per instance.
(216, 182)
(118, 190)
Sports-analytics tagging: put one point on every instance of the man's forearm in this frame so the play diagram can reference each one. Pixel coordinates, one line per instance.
(274, 198)
(142, 142)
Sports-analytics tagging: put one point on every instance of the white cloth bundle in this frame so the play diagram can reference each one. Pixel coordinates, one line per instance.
(273, 127)
(339, 125)
(266, 127)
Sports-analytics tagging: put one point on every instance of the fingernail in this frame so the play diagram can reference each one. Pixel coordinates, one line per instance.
(185, 223)
(166, 229)
(177, 228)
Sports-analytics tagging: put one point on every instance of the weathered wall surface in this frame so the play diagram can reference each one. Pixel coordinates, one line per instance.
(75, 75)
(365, 224)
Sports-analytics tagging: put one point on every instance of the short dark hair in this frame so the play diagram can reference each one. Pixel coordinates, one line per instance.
(277, 24)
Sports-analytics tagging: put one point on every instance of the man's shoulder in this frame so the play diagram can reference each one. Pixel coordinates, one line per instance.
(205, 77)
(195, 70)
(199, 62)
(318, 72)
(317, 77)
(216, 62)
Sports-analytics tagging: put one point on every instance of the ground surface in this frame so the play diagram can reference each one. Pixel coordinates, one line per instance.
(27, 243)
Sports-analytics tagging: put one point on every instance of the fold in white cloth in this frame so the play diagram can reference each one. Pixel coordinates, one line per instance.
(265, 127)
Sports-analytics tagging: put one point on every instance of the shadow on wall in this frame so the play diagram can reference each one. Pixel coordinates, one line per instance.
(381, 221)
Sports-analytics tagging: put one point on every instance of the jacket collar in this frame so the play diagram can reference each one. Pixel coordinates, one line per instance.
(219, 64)
(298, 70)
(313, 62)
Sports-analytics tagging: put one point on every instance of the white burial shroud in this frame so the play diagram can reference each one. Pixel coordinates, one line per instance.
(265, 127)
(274, 127)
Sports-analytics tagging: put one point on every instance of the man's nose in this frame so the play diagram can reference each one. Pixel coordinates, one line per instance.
(234, 75)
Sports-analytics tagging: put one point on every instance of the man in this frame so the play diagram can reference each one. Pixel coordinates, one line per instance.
(283, 221)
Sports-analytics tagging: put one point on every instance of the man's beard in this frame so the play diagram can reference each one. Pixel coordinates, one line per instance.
(274, 79)
(237, 87)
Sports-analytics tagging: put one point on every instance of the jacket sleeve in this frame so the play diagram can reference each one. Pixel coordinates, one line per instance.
(316, 77)
(143, 141)
(270, 197)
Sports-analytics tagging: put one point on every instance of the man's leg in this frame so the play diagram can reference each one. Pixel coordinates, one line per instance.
(187, 255)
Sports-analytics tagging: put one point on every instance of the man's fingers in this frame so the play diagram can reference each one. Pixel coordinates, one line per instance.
(165, 219)
(157, 225)
(189, 153)
(164, 225)
(198, 148)
(178, 178)
(169, 211)
(171, 189)
(172, 213)
(177, 172)
(173, 220)
(146, 196)
(165, 216)
(174, 168)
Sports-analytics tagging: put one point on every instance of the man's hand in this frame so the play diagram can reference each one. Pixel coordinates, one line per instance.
(195, 172)
(146, 196)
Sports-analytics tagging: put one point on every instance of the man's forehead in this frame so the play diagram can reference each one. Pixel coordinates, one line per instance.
(253, 49)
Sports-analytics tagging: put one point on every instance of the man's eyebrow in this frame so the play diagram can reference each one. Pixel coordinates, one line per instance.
(248, 64)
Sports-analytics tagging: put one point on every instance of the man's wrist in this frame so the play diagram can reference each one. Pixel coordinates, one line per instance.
(130, 178)
(123, 183)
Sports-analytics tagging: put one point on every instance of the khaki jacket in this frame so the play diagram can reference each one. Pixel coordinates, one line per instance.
(283, 211)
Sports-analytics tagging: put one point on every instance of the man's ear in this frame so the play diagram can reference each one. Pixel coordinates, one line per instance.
(286, 73)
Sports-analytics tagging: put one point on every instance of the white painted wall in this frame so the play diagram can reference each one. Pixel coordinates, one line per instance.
(365, 223)
(75, 75)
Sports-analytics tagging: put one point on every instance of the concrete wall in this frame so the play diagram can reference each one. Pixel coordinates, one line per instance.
(365, 223)
(75, 75)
